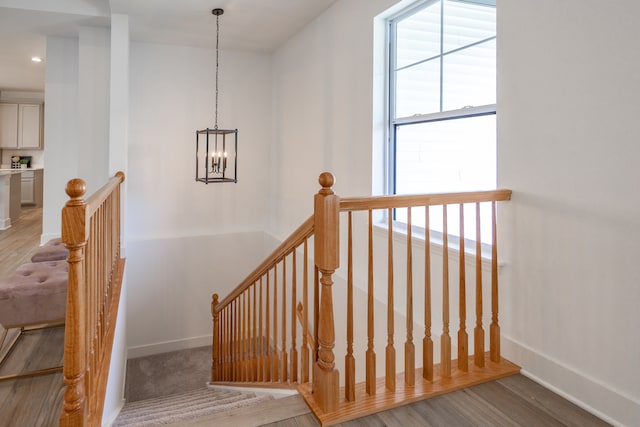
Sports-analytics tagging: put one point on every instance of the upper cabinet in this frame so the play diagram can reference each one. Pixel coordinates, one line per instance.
(21, 126)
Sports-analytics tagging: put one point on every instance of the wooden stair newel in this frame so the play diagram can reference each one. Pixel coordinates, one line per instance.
(327, 256)
(74, 234)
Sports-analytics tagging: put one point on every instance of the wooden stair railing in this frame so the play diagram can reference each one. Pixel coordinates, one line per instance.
(91, 232)
(235, 333)
(247, 324)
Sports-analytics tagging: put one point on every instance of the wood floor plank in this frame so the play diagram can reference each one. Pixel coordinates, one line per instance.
(20, 241)
(33, 401)
(550, 402)
(520, 410)
(404, 416)
(437, 413)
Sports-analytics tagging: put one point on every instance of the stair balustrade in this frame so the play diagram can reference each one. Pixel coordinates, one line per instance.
(91, 233)
(256, 327)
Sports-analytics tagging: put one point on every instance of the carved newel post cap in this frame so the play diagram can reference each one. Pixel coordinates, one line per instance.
(76, 188)
(326, 180)
(215, 298)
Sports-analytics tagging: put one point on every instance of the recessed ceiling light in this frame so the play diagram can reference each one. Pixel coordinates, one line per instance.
(36, 59)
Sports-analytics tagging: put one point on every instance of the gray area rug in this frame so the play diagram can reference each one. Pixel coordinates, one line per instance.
(184, 406)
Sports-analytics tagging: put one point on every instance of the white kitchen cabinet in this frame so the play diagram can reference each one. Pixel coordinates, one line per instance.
(8, 125)
(21, 126)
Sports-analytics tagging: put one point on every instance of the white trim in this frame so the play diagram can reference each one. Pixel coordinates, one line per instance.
(400, 236)
(460, 113)
(614, 406)
(167, 346)
(107, 421)
(277, 393)
(5, 224)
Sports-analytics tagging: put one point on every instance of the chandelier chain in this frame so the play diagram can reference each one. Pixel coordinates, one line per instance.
(217, 66)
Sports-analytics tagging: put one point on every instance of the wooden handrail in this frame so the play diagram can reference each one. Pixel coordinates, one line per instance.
(91, 233)
(296, 238)
(405, 201)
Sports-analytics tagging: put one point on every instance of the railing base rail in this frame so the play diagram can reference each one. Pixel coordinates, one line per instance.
(383, 400)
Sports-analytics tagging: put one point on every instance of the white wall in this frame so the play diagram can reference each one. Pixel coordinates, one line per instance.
(568, 147)
(323, 107)
(93, 105)
(60, 111)
(186, 240)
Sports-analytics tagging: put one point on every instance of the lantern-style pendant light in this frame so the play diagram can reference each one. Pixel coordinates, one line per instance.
(217, 149)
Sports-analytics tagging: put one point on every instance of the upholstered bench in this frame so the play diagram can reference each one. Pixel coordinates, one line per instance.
(53, 250)
(35, 294)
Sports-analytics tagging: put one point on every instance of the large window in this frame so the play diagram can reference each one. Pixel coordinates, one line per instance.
(442, 98)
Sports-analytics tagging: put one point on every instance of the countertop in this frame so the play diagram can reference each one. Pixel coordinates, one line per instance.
(15, 171)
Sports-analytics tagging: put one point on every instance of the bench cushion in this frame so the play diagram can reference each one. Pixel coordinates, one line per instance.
(34, 293)
(53, 250)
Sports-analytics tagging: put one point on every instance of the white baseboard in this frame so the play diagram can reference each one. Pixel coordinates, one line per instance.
(166, 346)
(594, 396)
(107, 420)
(5, 224)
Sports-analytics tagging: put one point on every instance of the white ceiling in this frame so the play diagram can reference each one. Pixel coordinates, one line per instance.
(257, 25)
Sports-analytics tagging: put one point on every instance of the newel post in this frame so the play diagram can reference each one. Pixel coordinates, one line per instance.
(74, 236)
(215, 355)
(327, 256)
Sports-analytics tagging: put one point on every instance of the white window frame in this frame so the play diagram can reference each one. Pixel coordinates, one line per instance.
(394, 123)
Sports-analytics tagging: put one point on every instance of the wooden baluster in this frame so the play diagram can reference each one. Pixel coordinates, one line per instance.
(260, 339)
(238, 328)
(349, 360)
(390, 361)
(254, 338)
(463, 337)
(215, 353)
(427, 342)
(445, 339)
(241, 337)
(316, 309)
(371, 354)
(267, 361)
(478, 332)
(223, 348)
(305, 316)
(232, 340)
(238, 339)
(494, 330)
(225, 343)
(229, 369)
(284, 377)
(275, 359)
(245, 337)
(327, 260)
(409, 346)
(294, 351)
(75, 410)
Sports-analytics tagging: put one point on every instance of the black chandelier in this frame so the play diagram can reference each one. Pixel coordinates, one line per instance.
(217, 149)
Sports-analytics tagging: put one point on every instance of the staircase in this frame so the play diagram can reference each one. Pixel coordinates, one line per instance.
(278, 327)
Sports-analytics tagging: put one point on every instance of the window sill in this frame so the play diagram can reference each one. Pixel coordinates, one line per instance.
(436, 243)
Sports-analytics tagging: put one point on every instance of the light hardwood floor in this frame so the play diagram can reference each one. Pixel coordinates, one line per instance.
(19, 241)
(30, 401)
